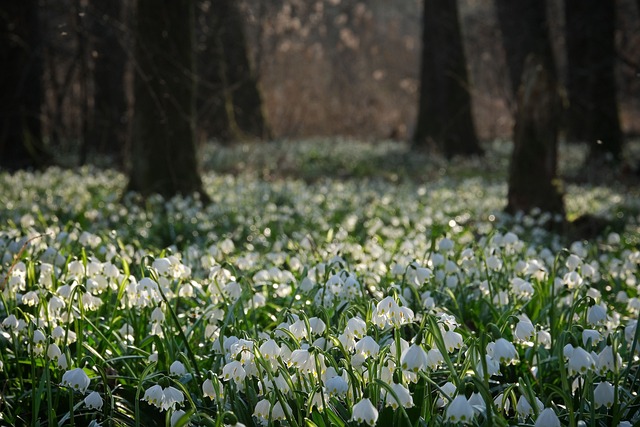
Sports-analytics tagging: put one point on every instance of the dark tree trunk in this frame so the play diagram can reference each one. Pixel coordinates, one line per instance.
(229, 98)
(21, 87)
(593, 108)
(524, 28)
(216, 118)
(163, 149)
(240, 76)
(533, 179)
(109, 124)
(444, 113)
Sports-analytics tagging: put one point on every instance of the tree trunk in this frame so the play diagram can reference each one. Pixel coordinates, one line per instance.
(240, 75)
(593, 108)
(533, 181)
(163, 150)
(21, 87)
(109, 124)
(524, 28)
(444, 112)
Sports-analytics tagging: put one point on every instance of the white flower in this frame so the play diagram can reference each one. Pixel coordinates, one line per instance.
(365, 412)
(154, 395)
(30, 298)
(356, 327)
(171, 397)
(368, 347)
(76, 379)
(502, 351)
(177, 416)
(596, 314)
(337, 386)
(270, 350)
(262, 409)
(278, 412)
(604, 394)
(580, 361)
(591, 335)
(607, 361)
(93, 401)
(434, 358)
(452, 340)
(524, 408)
(209, 388)
(547, 418)
(403, 394)
(524, 330)
(177, 368)
(414, 359)
(234, 370)
(459, 410)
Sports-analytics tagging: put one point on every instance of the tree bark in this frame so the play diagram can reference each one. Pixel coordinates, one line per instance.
(593, 108)
(533, 181)
(444, 117)
(21, 86)
(524, 28)
(110, 118)
(163, 149)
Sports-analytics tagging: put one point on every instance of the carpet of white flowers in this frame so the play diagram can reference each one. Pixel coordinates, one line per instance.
(365, 301)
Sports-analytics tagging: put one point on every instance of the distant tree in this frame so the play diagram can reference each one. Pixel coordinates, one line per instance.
(163, 149)
(591, 86)
(444, 112)
(533, 181)
(229, 99)
(524, 28)
(21, 86)
(109, 125)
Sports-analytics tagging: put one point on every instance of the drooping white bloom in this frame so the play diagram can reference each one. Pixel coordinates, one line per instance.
(414, 359)
(524, 330)
(580, 361)
(547, 418)
(93, 401)
(177, 368)
(356, 327)
(365, 412)
(261, 410)
(524, 407)
(337, 386)
(604, 394)
(209, 388)
(502, 351)
(177, 416)
(452, 340)
(592, 336)
(607, 361)
(171, 397)
(596, 314)
(76, 379)
(235, 371)
(154, 395)
(459, 410)
(404, 397)
(367, 346)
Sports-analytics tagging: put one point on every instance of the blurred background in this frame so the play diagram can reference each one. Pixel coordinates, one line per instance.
(312, 68)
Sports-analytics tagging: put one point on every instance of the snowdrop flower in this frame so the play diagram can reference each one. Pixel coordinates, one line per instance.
(524, 408)
(580, 361)
(337, 386)
(573, 262)
(30, 299)
(459, 410)
(177, 416)
(604, 394)
(154, 395)
(414, 359)
(493, 366)
(403, 394)
(93, 401)
(596, 314)
(591, 335)
(606, 360)
(368, 347)
(76, 379)
(209, 388)
(365, 412)
(171, 397)
(452, 340)
(544, 338)
(525, 330)
(278, 412)
(234, 370)
(356, 327)
(261, 410)
(177, 368)
(547, 418)
(434, 358)
(502, 351)
(270, 350)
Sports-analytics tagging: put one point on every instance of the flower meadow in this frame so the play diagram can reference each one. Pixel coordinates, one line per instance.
(365, 301)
